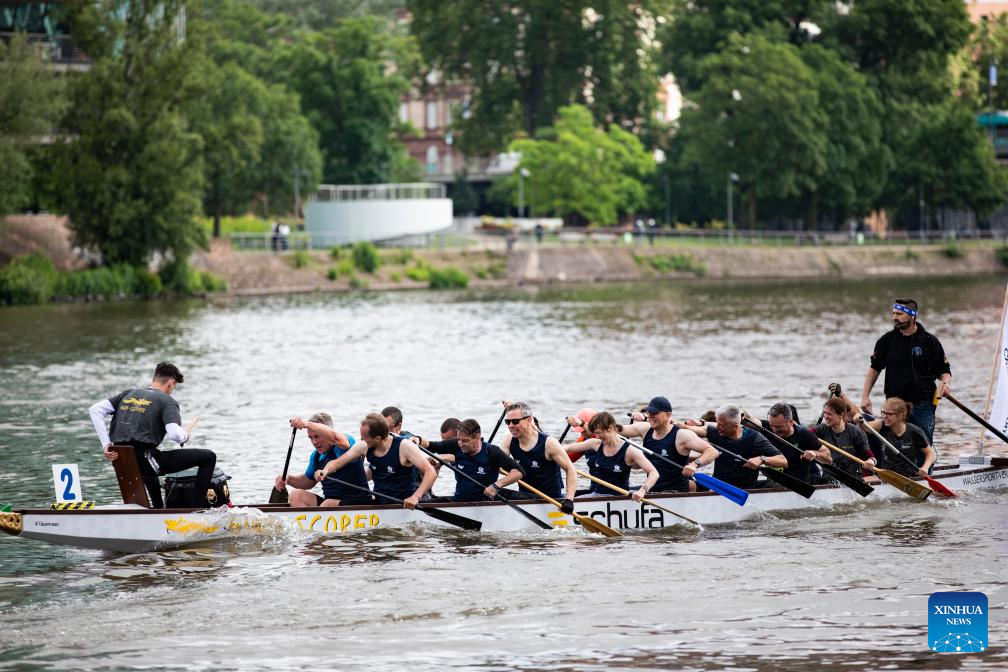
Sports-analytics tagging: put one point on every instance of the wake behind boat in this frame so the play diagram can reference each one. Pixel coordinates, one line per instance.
(131, 528)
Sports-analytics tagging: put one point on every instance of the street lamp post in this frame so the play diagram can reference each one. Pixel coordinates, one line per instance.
(522, 174)
(732, 178)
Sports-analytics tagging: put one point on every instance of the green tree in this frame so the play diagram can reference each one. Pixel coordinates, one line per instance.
(132, 174)
(525, 59)
(857, 161)
(232, 135)
(31, 101)
(350, 94)
(698, 28)
(583, 173)
(758, 115)
(953, 164)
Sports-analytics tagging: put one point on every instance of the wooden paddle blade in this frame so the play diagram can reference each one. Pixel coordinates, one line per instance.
(852, 482)
(790, 482)
(593, 525)
(278, 496)
(939, 487)
(452, 518)
(737, 495)
(901, 482)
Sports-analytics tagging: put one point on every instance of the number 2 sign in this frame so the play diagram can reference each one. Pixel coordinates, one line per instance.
(67, 482)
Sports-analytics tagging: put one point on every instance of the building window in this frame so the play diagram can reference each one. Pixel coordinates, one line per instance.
(432, 160)
(449, 163)
(403, 112)
(432, 120)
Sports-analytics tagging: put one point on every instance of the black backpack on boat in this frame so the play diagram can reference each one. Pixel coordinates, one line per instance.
(180, 491)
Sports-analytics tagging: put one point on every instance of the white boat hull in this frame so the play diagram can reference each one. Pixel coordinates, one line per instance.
(132, 529)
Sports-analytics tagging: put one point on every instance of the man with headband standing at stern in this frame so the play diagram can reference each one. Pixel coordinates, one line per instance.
(914, 359)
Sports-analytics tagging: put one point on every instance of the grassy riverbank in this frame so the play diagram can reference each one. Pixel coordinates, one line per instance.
(529, 263)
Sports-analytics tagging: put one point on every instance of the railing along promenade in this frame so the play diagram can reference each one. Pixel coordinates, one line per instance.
(496, 239)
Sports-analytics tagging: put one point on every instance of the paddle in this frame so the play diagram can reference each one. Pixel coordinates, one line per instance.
(439, 514)
(278, 496)
(962, 407)
(937, 486)
(587, 522)
(787, 480)
(898, 481)
(727, 490)
(620, 490)
(497, 426)
(499, 497)
(841, 476)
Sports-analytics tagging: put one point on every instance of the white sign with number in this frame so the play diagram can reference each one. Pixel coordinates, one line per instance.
(67, 482)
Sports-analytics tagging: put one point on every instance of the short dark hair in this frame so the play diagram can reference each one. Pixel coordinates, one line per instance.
(376, 425)
(909, 303)
(780, 410)
(709, 416)
(165, 370)
(394, 413)
(452, 424)
(602, 421)
(838, 405)
(469, 427)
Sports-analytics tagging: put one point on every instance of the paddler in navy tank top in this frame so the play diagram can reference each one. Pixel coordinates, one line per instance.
(394, 462)
(663, 438)
(540, 456)
(611, 458)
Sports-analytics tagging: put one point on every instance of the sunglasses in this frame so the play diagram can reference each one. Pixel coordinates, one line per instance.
(514, 421)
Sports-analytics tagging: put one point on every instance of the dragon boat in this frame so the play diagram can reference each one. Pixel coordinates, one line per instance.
(133, 528)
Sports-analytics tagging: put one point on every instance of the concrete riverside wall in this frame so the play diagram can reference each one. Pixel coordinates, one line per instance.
(342, 222)
(529, 264)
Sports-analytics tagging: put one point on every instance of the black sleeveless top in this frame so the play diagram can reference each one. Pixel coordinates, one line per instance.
(613, 470)
(541, 473)
(670, 478)
(389, 476)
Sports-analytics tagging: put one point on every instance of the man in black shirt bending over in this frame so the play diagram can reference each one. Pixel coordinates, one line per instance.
(914, 358)
(141, 418)
(755, 449)
(477, 458)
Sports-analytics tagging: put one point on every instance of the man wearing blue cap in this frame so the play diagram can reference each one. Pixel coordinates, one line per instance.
(660, 435)
(914, 359)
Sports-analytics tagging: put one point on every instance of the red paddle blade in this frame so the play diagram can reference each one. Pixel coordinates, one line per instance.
(939, 488)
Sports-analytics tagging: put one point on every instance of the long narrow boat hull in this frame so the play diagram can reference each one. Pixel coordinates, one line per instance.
(132, 529)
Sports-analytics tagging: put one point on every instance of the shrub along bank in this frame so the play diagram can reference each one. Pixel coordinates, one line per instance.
(32, 279)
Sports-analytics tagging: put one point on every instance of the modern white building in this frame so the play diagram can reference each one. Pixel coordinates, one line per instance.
(339, 215)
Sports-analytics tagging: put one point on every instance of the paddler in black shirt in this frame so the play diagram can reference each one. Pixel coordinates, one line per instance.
(780, 421)
(142, 418)
(913, 358)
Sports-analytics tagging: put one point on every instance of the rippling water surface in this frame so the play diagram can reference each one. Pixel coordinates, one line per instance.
(840, 589)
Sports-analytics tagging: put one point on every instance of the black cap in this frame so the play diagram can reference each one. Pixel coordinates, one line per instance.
(168, 370)
(658, 405)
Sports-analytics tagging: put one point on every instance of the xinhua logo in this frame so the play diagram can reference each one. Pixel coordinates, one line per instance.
(957, 622)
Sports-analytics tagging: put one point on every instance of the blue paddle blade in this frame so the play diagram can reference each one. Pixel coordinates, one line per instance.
(736, 495)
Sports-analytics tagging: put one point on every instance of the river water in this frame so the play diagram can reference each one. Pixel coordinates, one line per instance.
(831, 590)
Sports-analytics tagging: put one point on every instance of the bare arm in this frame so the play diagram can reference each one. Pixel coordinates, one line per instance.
(356, 451)
(636, 430)
(635, 458)
(556, 453)
(869, 382)
(410, 456)
(583, 446)
(689, 442)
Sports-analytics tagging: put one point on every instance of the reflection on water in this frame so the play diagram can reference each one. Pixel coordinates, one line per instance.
(843, 588)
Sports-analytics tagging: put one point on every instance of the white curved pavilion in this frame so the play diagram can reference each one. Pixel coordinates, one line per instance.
(338, 215)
